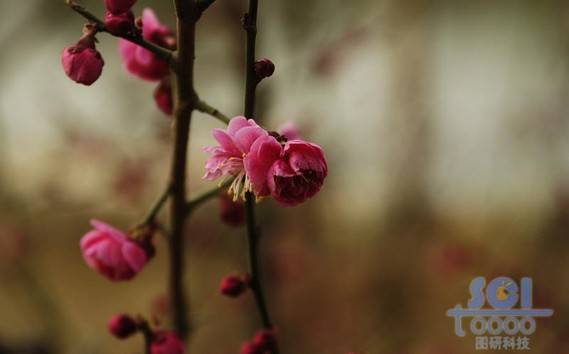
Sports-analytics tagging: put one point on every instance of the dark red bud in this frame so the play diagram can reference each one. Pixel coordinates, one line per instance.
(122, 326)
(121, 24)
(265, 339)
(119, 6)
(233, 286)
(264, 68)
(251, 348)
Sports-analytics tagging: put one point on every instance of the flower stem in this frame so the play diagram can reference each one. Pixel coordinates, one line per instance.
(253, 234)
(204, 197)
(151, 216)
(204, 107)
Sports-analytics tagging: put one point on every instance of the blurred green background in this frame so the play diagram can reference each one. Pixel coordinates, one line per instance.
(445, 125)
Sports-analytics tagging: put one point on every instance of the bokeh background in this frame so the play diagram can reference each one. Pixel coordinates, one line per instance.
(445, 124)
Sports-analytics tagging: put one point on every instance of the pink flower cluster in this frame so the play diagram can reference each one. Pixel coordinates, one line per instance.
(84, 64)
(146, 65)
(266, 163)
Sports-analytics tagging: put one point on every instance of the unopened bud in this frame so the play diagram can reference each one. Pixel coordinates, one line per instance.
(121, 24)
(122, 326)
(264, 68)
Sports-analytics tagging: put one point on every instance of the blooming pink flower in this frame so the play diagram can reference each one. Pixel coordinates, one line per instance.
(82, 62)
(119, 24)
(141, 62)
(119, 6)
(291, 174)
(166, 342)
(122, 326)
(163, 96)
(264, 152)
(112, 253)
(234, 143)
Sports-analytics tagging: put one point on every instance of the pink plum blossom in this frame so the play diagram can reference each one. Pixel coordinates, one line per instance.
(234, 144)
(141, 62)
(291, 174)
(298, 174)
(112, 253)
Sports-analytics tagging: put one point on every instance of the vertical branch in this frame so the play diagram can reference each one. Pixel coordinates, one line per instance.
(251, 81)
(186, 12)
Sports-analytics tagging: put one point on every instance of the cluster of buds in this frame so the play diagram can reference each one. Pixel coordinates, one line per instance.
(146, 65)
(84, 64)
(123, 326)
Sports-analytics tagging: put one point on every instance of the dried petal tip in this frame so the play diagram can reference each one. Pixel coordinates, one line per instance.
(120, 24)
(264, 68)
(232, 286)
(118, 7)
(122, 326)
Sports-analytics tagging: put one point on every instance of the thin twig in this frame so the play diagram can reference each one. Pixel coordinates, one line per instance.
(161, 52)
(204, 107)
(151, 216)
(204, 197)
(253, 233)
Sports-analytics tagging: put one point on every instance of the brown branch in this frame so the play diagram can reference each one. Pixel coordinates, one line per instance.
(161, 52)
(186, 98)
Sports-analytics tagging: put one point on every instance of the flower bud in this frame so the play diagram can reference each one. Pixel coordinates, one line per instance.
(121, 24)
(166, 342)
(82, 63)
(112, 253)
(163, 96)
(122, 326)
(264, 68)
(232, 213)
(251, 348)
(265, 339)
(118, 7)
(233, 286)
